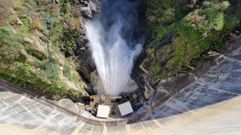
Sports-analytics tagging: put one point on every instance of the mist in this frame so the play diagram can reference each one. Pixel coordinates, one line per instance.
(114, 42)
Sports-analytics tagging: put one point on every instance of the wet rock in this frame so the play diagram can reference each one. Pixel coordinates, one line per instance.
(96, 83)
(85, 61)
(89, 8)
(99, 88)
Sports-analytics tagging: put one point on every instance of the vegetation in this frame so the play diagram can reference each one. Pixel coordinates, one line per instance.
(34, 38)
(39, 39)
(195, 28)
(4, 10)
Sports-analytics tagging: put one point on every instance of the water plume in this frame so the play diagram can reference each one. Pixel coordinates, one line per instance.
(114, 43)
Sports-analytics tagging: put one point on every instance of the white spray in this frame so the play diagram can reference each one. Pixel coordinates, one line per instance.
(113, 48)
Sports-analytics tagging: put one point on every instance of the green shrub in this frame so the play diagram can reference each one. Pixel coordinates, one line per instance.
(162, 17)
(10, 45)
(198, 31)
(199, 28)
(52, 70)
(50, 23)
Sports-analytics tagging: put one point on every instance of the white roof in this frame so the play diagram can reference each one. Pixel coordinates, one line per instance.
(103, 111)
(125, 108)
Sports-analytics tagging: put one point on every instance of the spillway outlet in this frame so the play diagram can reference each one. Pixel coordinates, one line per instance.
(104, 106)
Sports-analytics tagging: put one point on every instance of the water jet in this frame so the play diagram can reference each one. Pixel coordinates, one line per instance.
(114, 43)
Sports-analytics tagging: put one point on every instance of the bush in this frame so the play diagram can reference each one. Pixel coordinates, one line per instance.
(52, 70)
(162, 17)
(198, 28)
(23, 52)
(198, 31)
(10, 45)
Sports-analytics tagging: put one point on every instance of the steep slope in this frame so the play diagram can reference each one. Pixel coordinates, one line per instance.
(37, 44)
(183, 31)
(43, 45)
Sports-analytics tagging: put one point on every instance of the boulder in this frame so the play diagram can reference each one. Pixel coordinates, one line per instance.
(89, 8)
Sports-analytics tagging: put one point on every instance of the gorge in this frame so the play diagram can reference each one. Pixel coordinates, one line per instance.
(147, 66)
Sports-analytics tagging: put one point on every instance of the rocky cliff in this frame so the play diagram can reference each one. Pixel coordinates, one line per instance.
(39, 46)
(43, 45)
(182, 32)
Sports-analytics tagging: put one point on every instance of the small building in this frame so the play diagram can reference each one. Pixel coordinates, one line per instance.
(125, 108)
(103, 111)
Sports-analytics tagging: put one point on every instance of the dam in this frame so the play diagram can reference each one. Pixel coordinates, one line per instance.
(120, 67)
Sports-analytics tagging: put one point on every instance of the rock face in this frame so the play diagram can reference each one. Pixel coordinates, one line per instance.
(89, 8)
(180, 33)
(38, 46)
(47, 41)
(41, 49)
(50, 46)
